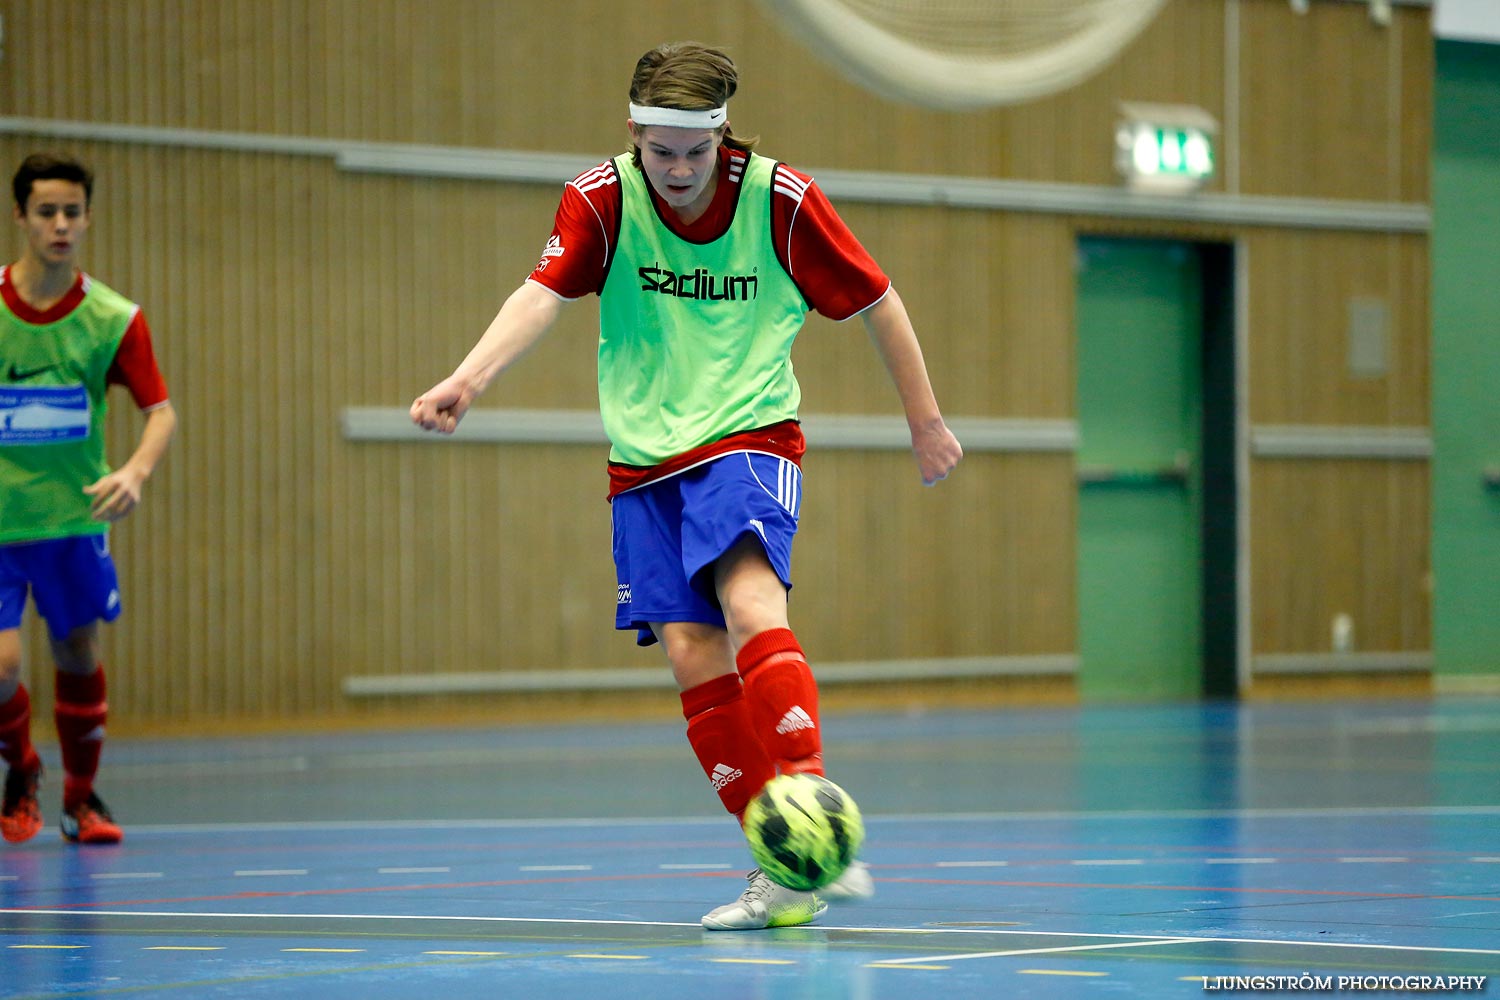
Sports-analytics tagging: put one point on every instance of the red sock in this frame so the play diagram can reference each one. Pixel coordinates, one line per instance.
(80, 712)
(783, 699)
(718, 727)
(15, 732)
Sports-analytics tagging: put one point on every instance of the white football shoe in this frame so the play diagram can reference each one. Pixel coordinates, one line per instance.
(765, 904)
(856, 883)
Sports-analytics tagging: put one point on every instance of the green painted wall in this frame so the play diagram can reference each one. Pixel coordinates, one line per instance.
(1466, 358)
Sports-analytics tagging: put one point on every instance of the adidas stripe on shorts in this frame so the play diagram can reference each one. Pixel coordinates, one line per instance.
(669, 532)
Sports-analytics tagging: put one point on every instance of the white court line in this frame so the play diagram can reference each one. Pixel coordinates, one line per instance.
(198, 829)
(108, 876)
(435, 759)
(1372, 861)
(874, 931)
(1363, 945)
(157, 770)
(1332, 812)
(1155, 942)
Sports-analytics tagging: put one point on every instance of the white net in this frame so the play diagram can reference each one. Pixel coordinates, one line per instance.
(959, 54)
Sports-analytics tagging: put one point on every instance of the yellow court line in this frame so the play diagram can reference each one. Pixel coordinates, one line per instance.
(1058, 972)
(623, 958)
(328, 951)
(475, 954)
(47, 947)
(892, 965)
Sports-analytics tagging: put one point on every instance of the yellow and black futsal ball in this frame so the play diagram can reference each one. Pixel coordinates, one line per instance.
(803, 830)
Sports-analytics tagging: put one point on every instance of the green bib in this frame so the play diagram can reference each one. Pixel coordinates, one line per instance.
(695, 339)
(52, 407)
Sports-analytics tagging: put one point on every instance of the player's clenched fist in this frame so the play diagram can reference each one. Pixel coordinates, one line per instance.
(443, 406)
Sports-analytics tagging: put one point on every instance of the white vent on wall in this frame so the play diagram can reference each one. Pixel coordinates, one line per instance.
(1466, 20)
(1368, 337)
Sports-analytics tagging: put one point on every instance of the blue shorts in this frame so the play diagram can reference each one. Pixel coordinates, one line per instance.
(669, 533)
(72, 580)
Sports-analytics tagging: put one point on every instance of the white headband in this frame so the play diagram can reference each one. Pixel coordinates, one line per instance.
(678, 118)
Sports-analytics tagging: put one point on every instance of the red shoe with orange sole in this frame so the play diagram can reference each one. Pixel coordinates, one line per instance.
(90, 823)
(21, 814)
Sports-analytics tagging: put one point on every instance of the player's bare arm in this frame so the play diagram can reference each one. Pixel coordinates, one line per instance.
(117, 494)
(936, 449)
(522, 320)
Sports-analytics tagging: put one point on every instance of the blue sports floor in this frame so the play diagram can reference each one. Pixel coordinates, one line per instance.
(1110, 852)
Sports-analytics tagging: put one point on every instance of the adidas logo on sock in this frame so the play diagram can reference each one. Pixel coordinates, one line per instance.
(795, 719)
(724, 774)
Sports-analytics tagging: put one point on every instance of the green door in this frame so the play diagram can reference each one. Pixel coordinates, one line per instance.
(1139, 323)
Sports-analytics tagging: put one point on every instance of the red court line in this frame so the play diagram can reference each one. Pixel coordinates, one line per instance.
(1160, 851)
(1333, 857)
(432, 849)
(292, 893)
(581, 879)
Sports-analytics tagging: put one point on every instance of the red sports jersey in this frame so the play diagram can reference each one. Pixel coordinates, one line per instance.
(834, 273)
(134, 366)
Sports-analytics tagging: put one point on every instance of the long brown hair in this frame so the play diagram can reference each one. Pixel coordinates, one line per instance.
(688, 76)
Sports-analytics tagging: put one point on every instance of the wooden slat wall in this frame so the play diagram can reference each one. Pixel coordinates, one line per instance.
(1340, 538)
(271, 558)
(1334, 105)
(1301, 284)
